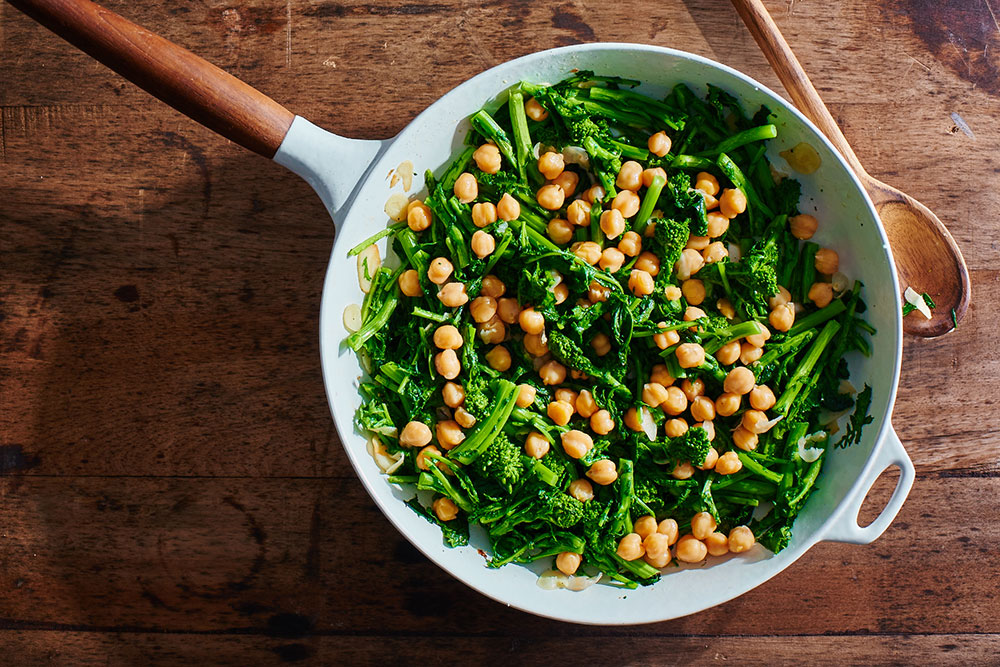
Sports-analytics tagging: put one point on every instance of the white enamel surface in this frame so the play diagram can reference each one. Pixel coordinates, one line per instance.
(848, 223)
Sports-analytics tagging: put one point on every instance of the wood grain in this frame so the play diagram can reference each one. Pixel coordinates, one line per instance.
(172, 487)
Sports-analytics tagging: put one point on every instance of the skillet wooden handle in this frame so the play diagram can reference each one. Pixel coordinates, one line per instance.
(793, 77)
(191, 85)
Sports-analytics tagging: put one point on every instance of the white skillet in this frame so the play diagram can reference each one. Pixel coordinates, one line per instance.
(350, 177)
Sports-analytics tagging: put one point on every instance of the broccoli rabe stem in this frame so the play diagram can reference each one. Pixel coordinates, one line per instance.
(802, 375)
(813, 320)
(692, 162)
(756, 468)
(656, 110)
(734, 174)
(486, 430)
(356, 250)
(807, 270)
(522, 139)
(743, 138)
(486, 126)
(649, 203)
(375, 323)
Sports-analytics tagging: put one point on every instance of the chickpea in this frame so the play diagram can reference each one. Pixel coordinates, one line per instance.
(707, 183)
(739, 381)
(611, 260)
(728, 353)
(484, 214)
(698, 243)
(447, 364)
(629, 176)
(568, 181)
(601, 344)
(550, 197)
(421, 459)
(694, 291)
(508, 208)
(612, 223)
(453, 394)
(627, 203)
(603, 472)
(783, 317)
(633, 420)
(640, 282)
(453, 295)
(449, 434)
(552, 372)
(509, 310)
(693, 388)
(447, 337)
(536, 112)
(740, 539)
(668, 527)
(645, 526)
(464, 418)
(718, 544)
(672, 292)
(551, 164)
(601, 422)
(594, 194)
(762, 398)
(631, 244)
(726, 308)
(827, 261)
(744, 439)
(732, 203)
(715, 252)
(492, 287)
(578, 213)
(690, 355)
(728, 464)
(660, 374)
(755, 421)
(703, 409)
(727, 404)
(702, 525)
(803, 226)
(445, 509)
(581, 489)
(499, 358)
(585, 404)
(653, 394)
(657, 544)
(409, 283)
(568, 562)
(440, 270)
(483, 244)
(709, 428)
(560, 231)
(782, 297)
(525, 395)
(482, 309)
(630, 547)
(419, 216)
(531, 321)
(749, 353)
(675, 428)
(659, 144)
(667, 338)
(466, 188)
(718, 224)
(710, 201)
(487, 158)
(675, 403)
(711, 458)
(648, 175)
(691, 550)
(567, 395)
(576, 444)
(821, 294)
(415, 434)
(535, 445)
(758, 339)
(649, 263)
(492, 331)
(588, 251)
(689, 264)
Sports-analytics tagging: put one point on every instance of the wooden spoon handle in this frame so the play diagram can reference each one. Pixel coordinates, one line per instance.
(793, 77)
(191, 85)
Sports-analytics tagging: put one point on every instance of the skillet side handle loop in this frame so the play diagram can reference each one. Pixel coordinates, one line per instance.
(845, 528)
(186, 82)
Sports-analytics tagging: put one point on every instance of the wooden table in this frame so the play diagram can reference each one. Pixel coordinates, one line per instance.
(173, 488)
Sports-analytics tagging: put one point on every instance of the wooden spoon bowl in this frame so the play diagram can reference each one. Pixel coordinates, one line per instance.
(926, 255)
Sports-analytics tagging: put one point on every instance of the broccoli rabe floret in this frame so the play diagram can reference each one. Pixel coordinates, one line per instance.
(669, 239)
(693, 446)
(501, 462)
(565, 511)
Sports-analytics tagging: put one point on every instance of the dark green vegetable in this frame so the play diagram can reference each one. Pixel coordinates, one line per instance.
(609, 341)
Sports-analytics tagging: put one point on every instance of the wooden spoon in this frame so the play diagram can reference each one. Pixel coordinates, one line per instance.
(927, 257)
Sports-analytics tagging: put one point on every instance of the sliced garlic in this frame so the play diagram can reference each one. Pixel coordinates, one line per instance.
(734, 253)
(551, 580)
(405, 171)
(840, 283)
(811, 454)
(369, 261)
(576, 155)
(386, 462)
(395, 206)
(917, 301)
(352, 317)
(648, 425)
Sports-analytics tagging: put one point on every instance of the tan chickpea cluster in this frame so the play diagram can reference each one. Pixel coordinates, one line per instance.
(652, 541)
